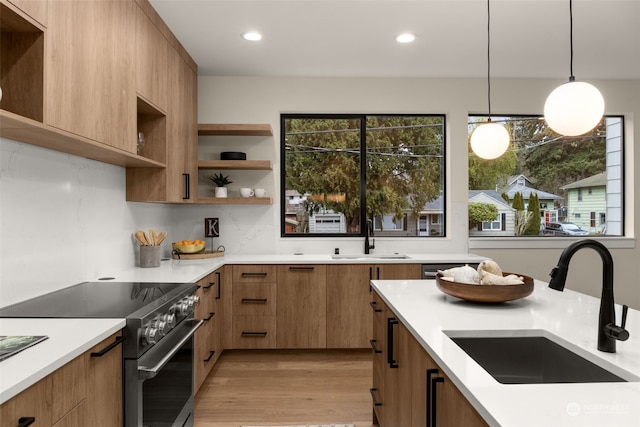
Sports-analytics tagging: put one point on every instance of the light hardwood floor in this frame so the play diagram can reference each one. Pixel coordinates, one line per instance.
(289, 387)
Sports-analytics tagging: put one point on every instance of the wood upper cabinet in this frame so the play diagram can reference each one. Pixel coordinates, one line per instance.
(89, 71)
(302, 306)
(152, 53)
(172, 139)
(36, 9)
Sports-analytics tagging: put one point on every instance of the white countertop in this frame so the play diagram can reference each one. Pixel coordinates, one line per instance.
(193, 270)
(570, 315)
(68, 338)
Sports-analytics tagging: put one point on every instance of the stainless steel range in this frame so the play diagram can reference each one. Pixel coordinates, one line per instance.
(158, 344)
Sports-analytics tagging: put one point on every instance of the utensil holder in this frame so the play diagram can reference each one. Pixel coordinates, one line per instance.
(150, 256)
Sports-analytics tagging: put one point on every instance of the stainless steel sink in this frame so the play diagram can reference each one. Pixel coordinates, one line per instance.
(535, 357)
(370, 256)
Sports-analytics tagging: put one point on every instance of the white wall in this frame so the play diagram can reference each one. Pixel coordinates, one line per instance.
(64, 219)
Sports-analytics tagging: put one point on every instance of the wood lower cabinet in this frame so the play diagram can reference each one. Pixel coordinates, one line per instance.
(254, 306)
(104, 383)
(209, 337)
(348, 297)
(409, 388)
(302, 306)
(87, 391)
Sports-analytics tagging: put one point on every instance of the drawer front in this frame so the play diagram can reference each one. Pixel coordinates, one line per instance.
(254, 299)
(254, 273)
(254, 332)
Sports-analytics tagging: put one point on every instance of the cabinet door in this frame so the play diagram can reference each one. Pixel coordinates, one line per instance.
(182, 132)
(302, 306)
(348, 311)
(379, 347)
(152, 51)
(89, 70)
(104, 383)
(397, 271)
(34, 402)
(69, 386)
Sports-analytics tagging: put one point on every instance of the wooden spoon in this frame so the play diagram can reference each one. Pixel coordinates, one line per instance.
(140, 237)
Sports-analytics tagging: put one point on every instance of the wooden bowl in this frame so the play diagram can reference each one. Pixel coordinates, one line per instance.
(486, 293)
(188, 249)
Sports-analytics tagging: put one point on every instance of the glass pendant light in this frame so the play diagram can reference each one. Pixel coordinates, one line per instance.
(573, 108)
(490, 140)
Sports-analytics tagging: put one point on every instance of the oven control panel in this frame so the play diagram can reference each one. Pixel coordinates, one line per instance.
(165, 319)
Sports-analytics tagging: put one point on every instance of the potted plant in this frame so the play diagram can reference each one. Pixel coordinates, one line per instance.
(220, 181)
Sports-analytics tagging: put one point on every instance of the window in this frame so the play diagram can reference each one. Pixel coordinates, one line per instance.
(564, 178)
(339, 171)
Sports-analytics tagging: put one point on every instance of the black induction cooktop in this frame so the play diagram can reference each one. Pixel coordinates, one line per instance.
(97, 300)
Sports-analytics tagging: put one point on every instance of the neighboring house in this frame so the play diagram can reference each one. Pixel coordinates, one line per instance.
(503, 224)
(523, 185)
(587, 203)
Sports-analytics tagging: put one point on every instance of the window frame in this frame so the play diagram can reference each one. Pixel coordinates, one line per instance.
(363, 164)
(622, 240)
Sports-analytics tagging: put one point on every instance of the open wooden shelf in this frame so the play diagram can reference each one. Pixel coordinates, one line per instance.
(212, 129)
(235, 164)
(234, 200)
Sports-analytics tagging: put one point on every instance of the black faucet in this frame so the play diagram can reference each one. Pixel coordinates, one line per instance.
(608, 331)
(368, 231)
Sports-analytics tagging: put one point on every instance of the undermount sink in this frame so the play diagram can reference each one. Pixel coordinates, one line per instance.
(535, 357)
(371, 256)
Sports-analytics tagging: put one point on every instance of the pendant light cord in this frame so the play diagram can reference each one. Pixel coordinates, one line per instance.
(571, 76)
(489, 58)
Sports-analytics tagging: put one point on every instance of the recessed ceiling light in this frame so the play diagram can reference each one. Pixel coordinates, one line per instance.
(405, 38)
(252, 36)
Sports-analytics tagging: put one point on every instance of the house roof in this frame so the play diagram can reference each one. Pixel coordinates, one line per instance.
(492, 194)
(598, 180)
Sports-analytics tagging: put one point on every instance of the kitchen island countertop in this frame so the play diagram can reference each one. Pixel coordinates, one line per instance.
(572, 316)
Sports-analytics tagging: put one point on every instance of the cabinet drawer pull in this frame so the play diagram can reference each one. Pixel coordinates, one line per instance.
(26, 421)
(305, 267)
(211, 353)
(434, 384)
(206, 287)
(107, 349)
(374, 306)
(187, 186)
(250, 274)
(373, 346)
(211, 314)
(390, 359)
(373, 397)
(218, 276)
(430, 373)
(254, 334)
(254, 300)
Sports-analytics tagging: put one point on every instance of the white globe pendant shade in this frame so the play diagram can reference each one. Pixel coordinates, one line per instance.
(490, 141)
(574, 108)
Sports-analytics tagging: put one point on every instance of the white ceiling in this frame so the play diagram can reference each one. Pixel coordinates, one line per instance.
(336, 38)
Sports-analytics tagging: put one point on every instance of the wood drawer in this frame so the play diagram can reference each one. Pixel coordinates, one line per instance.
(254, 299)
(254, 273)
(254, 332)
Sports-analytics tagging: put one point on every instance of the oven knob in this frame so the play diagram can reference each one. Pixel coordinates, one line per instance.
(150, 335)
(183, 307)
(170, 320)
(161, 326)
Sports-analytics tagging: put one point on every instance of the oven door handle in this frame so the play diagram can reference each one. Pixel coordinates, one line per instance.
(145, 372)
